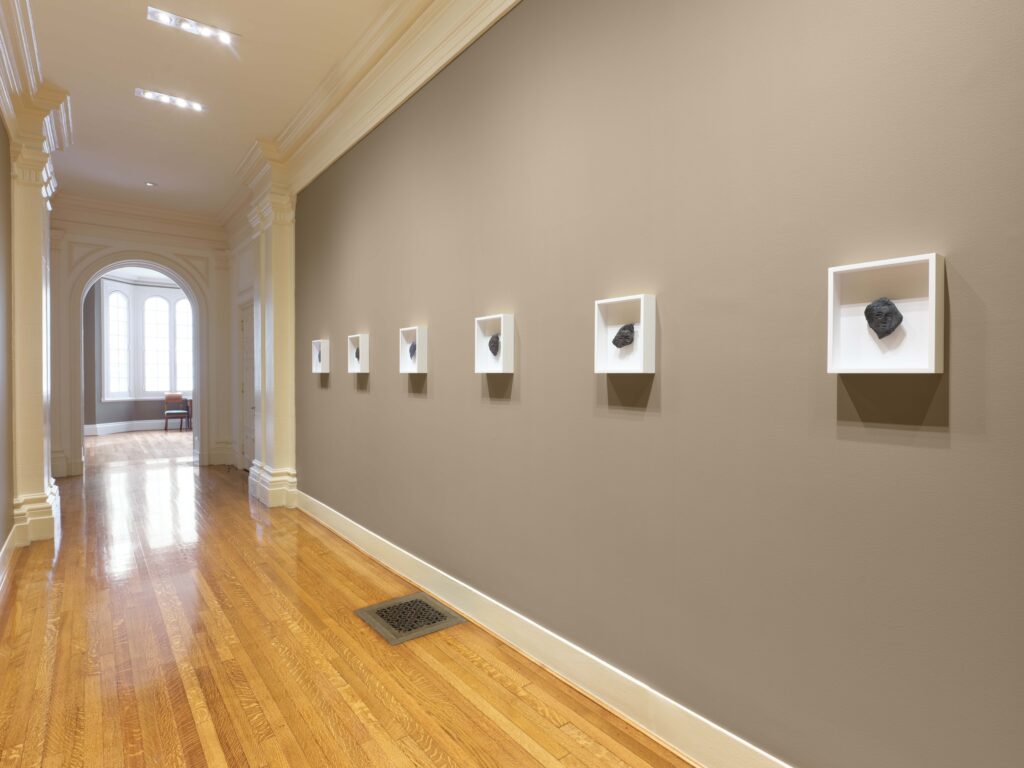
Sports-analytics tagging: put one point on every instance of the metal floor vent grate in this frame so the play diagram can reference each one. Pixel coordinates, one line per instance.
(409, 617)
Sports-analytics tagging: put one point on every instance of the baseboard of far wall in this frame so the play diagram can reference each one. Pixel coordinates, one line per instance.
(114, 427)
(692, 736)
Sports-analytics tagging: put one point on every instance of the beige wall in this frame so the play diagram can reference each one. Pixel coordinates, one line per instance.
(828, 567)
(6, 451)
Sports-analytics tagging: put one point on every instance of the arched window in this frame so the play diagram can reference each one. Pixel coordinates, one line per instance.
(183, 345)
(117, 344)
(156, 342)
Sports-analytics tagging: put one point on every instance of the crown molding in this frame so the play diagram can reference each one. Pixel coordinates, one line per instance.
(437, 35)
(381, 37)
(143, 222)
(410, 43)
(21, 73)
(30, 106)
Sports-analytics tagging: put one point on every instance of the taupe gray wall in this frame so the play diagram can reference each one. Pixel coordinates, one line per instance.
(95, 411)
(830, 568)
(6, 434)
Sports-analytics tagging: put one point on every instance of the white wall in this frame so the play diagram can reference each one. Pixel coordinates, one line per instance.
(89, 236)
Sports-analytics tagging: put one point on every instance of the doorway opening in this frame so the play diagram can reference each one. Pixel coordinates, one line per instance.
(139, 363)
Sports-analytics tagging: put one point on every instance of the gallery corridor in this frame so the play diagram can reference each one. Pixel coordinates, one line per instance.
(175, 621)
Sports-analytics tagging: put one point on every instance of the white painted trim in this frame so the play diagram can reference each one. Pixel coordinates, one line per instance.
(116, 427)
(408, 44)
(6, 553)
(59, 463)
(273, 487)
(317, 136)
(139, 222)
(23, 89)
(35, 515)
(695, 737)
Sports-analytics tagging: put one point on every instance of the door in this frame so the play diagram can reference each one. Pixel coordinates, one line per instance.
(247, 379)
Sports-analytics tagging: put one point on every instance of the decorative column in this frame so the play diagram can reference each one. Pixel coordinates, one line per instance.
(41, 129)
(272, 215)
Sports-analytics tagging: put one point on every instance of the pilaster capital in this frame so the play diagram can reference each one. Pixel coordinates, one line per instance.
(28, 162)
(43, 126)
(265, 174)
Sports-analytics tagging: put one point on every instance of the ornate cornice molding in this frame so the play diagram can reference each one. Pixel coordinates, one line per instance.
(401, 52)
(20, 70)
(437, 35)
(380, 38)
(138, 221)
(270, 199)
(37, 114)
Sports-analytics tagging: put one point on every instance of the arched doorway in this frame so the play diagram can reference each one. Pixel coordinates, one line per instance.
(89, 274)
(139, 343)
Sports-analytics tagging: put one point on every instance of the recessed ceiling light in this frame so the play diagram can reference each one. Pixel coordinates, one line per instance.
(191, 26)
(150, 183)
(163, 98)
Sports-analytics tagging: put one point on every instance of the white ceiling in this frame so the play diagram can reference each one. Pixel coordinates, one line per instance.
(139, 275)
(101, 50)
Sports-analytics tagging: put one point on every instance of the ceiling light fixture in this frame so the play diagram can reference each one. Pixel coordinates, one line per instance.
(150, 183)
(163, 98)
(191, 26)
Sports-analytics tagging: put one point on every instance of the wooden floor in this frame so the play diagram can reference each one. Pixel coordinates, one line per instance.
(134, 446)
(178, 623)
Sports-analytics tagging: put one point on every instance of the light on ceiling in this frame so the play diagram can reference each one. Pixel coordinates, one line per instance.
(164, 98)
(150, 183)
(191, 26)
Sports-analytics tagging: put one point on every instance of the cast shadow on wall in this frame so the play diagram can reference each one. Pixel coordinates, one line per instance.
(631, 393)
(417, 385)
(504, 387)
(324, 380)
(499, 387)
(362, 382)
(912, 401)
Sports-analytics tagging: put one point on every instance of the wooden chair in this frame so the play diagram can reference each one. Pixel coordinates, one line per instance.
(175, 407)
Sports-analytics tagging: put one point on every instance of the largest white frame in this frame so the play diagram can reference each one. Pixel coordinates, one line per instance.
(917, 285)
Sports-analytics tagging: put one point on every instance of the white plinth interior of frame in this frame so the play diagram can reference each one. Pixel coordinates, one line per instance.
(321, 356)
(915, 285)
(406, 338)
(360, 341)
(484, 328)
(609, 316)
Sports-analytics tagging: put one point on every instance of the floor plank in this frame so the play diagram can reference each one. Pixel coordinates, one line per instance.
(176, 622)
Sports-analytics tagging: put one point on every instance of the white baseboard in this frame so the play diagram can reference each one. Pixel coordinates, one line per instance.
(222, 453)
(6, 554)
(36, 515)
(697, 739)
(114, 427)
(273, 487)
(58, 463)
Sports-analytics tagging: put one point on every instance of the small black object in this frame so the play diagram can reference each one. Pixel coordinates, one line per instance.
(357, 353)
(624, 337)
(883, 317)
(412, 351)
(494, 344)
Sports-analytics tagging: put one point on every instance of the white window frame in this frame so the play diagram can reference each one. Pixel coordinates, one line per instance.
(137, 295)
(107, 393)
(174, 340)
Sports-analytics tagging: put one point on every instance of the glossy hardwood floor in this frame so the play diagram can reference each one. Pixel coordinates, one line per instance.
(177, 623)
(136, 446)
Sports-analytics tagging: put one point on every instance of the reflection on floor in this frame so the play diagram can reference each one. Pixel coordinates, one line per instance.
(177, 622)
(134, 446)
